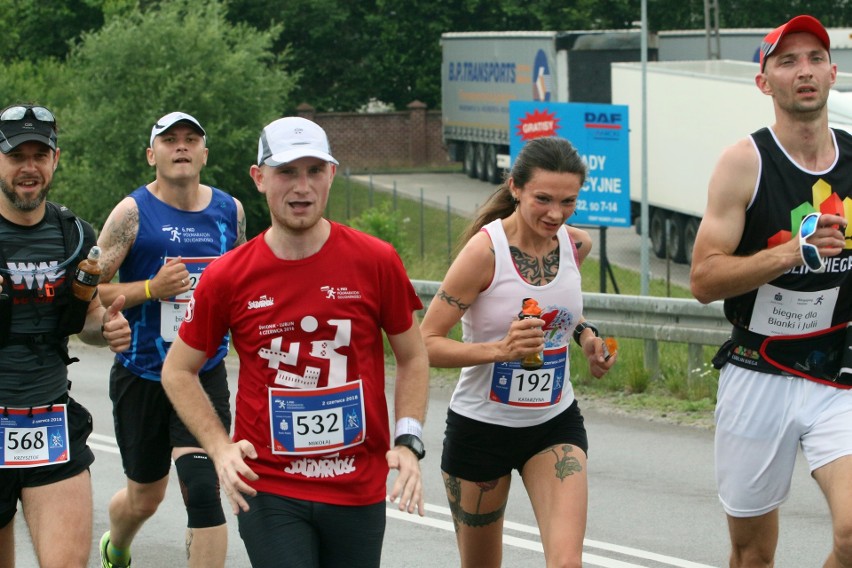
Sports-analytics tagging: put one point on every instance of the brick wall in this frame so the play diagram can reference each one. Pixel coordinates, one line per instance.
(364, 141)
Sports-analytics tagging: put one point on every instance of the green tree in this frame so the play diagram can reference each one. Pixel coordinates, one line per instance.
(180, 55)
(351, 52)
(333, 54)
(576, 15)
(26, 81)
(385, 223)
(37, 30)
(327, 40)
(767, 14)
(689, 14)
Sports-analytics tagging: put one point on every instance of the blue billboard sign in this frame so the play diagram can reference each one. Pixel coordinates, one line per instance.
(600, 133)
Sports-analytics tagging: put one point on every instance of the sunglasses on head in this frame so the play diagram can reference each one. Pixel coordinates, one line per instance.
(20, 111)
(810, 253)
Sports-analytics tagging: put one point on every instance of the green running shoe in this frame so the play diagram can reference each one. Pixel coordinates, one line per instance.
(104, 557)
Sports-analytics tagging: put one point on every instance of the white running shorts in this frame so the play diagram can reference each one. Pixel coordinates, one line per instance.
(761, 420)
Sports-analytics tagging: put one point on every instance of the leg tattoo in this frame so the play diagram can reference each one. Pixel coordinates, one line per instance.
(566, 465)
(471, 518)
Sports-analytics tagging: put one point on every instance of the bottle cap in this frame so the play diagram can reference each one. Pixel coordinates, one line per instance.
(610, 347)
(530, 307)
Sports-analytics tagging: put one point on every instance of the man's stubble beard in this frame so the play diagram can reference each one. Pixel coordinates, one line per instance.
(21, 204)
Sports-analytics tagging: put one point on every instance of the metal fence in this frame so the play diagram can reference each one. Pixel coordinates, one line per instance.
(650, 318)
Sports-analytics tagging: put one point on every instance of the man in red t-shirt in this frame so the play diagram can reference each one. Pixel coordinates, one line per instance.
(306, 303)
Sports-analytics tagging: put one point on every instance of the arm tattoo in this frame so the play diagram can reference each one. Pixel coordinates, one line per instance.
(241, 231)
(455, 302)
(120, 234)
(474, 518)
(566, 465)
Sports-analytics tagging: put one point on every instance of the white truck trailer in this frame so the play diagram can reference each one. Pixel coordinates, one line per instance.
(694, 110)
(482, 71)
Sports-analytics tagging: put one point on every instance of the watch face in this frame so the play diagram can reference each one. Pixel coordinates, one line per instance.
(417, 447)
(413, 443)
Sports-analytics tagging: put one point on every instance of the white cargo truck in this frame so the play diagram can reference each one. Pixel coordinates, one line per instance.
(694, 110)
(482, 71)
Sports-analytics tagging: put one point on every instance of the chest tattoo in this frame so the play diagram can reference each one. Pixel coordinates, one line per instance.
(535, 270)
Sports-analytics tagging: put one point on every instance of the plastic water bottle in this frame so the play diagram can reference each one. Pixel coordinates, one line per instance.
(531, 309)
(87, 276)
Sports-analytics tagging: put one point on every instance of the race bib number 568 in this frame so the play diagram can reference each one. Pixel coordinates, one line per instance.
(34, 437)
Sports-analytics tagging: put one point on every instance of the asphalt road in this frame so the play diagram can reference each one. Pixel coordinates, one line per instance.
(652, 500)
(464, 195)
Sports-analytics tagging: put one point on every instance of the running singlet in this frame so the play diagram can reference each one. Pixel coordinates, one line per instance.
(504, 393)
(311, 390)
(165, 233)
(798, 301)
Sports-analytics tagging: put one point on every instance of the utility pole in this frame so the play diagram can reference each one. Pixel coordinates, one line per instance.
(711, 28)
(645, 262)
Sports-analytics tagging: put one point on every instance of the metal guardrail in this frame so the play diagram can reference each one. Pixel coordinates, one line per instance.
(673, 320)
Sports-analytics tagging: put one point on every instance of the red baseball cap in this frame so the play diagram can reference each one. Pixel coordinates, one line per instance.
(807, 24)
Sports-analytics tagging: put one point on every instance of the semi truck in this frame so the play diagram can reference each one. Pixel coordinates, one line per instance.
(695, 107)
(482, 71)
(694, 110)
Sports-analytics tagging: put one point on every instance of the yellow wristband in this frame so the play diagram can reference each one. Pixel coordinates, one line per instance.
(148, 289)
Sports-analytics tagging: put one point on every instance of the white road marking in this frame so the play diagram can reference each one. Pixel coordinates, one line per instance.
(535, 546)
(108, 444)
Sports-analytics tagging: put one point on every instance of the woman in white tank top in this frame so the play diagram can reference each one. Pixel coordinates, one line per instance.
(503, 416)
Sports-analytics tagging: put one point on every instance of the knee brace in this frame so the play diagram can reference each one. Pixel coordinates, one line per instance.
(199, 486)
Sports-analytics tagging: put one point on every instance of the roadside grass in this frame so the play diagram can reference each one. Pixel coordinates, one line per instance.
(427, 239)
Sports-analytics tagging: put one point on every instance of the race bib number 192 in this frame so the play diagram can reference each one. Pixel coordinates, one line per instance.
(517, 387)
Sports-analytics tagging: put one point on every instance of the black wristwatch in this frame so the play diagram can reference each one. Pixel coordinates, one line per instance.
(413, 443)
(581, 327)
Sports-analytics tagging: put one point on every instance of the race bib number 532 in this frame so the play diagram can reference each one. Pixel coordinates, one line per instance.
(309, 421)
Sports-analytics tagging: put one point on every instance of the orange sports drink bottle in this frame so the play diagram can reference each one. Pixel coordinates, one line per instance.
(531, 309)
(610, 347)
(87, 276)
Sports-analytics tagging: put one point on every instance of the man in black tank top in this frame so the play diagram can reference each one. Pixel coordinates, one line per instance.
(45, 459)
(774, 245)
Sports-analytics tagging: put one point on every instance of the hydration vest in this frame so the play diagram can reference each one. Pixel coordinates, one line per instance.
(72, 312)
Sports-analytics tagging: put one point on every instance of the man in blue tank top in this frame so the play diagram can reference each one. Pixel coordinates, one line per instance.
(159, 240)
(775, 245)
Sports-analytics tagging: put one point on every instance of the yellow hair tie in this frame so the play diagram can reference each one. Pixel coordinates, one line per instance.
(148, 289)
